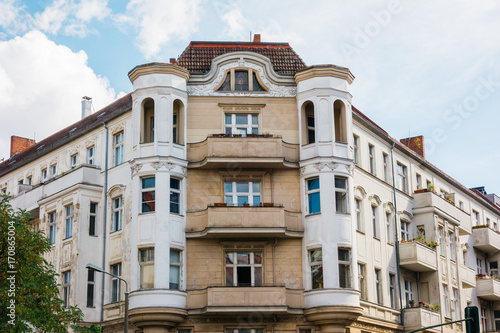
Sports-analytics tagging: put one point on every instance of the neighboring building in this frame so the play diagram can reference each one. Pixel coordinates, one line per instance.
(276, 208)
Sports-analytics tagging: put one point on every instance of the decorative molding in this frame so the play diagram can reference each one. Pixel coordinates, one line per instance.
(373, 328)
(359, 192)
(389, 208)
(302, 170)
(118, 128)
(375, 200)
(320, 166)
(54, 161)
(229, 320)
(156, 165)
(169, 166)
(209, 89)
(90, 143)
(184, 171)
(406, 216)
(73, 151)
(350, 169)
(134, 168)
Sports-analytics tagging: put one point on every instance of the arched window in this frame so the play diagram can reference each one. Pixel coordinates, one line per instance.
(241, 80)
(178, 123)
(148, 121)
(308, 124)
(339, 116)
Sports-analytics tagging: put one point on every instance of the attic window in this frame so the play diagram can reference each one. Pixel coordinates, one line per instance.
(241, 80)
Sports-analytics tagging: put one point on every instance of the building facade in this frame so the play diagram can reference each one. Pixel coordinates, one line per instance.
(281, 207)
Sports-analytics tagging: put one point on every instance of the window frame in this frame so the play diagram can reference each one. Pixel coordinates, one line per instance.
(229, 81)
(402, 179)
(234, 265)
(233, 128)
(234, 195)
(53, 170)
(378, 285)
(310, 193)
(355, 144)
(362, 281)
(316, 268)
(117, 214)
(151, 190)
(91, 155)
(149, 260)
(172, 197)
(405, 230)
(371, 159)
(359, 215)
(341, 195)
(115, 269)
(409, 294)
(385, 159)
(177, 265)
(52, 217)
(66, 288)
(118, 148)
(392, 290)
(68, 221)
(346, 264)
(93, 219)
(374, 211)
(90, 288)
(73, 160)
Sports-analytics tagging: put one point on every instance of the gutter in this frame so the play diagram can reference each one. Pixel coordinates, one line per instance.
(104, 229)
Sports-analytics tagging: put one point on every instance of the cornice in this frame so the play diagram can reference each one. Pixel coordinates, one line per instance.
(324, 71)
(158, 68)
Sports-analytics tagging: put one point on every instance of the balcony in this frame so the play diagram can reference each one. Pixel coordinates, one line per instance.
(243, 222)
(486, 239)
(417, 257)
(430, 202)
(267, 299)
(468, 276)
(220, 151)
(421, 317)
(488, 289)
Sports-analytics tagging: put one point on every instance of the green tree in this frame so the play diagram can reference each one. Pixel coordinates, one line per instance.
(29, 293)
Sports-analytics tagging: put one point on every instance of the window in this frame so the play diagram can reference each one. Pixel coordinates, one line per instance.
(453, 247)
(175, 269)
(242, 193)
(484, 320)
(118, 148)
(419, 181)
(316, 264)
(92, 219)
(148, 121)
(359, 221)
(479, 266)
(29, 180)
(66, 288)
(405, 231)
(69, 221)
(392, 290)
(313, 196)
(374, 222)
(494, 268)
(362, 280)
(44, 174)
(90, 288)
(356, 149)
(91, 155)
(175, 196)
(309, 122)
(53, 170)
(456, 305)
(117, 214)
(147, 267)
(401, 184)
(388, 227)
(242, 124)
(461, 205)
(246, 330)
(344, 256)
(341, 197)
(442, 241)
(244, 80)
(339, 119)
(52, 227)
(244, 269)
(408, 292)
(386, 167)
(378, 286)
(241, 81)
(74, 160)
(446, 301)
(371, 158)
(475, 218)
(116, 283)
(497, 320)
(148, 194)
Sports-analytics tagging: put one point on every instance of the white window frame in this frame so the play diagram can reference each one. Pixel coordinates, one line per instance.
(44, 174)
(232, 128)
(310, 193)
(359, 216)
(347, 268)
(53, 170)
(418, 179)
(148, 190)
(175, 268)
(386, 167)
(234, 265)
(118, 148)
(456, 304)
(316, 266)
(246, 330)
(371, 159)
(378, 285)
(405, 230)
(375, 222)
(442, 241)
(116, 288)
(446, 301)
(175, 191)
(453, 246)
(408, 292)
(69, 214)
(117, 214)
(231, 197)
(52, 217)
(148, 259)
(388, 224)
(402, 180)
(341, 195)
(356, 149)
(91, 155)
(93, 218)
(66, 286)
(484, 320)
(362, 281)
(74, 160)
(392, 289)
(90, 287)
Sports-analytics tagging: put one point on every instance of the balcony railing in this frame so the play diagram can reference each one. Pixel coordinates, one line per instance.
(488, 288)
(417, 257)
(468, 276)
(265, 299)
(486, 239)
(250, 151)
(238, 221)
(421, 317)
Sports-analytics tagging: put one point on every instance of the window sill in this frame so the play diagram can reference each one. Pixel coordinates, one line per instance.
(115, 232)
(377, 238)
(67, 238)
(345, 214)
(313, 214)
(390, 243)
(147, 213)
(93, 236)
(360, 231)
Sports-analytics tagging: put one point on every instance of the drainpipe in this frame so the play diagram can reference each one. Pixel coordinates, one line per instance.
(398, 269)
(104, 220)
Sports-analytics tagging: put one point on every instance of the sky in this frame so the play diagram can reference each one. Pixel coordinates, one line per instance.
(422, 67)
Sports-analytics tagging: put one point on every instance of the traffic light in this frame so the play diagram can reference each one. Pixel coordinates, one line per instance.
(472, 326)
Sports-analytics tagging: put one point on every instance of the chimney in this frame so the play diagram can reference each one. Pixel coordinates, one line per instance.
(416, 144)
(18, 144)
(256, 38)
(86, 106)
(172, 61)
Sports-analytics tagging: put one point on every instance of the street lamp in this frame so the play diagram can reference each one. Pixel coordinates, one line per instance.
(98, 269)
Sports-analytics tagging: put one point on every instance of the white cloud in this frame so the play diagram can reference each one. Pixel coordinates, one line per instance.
(237, 25)
(158, 22)
(10, 19)
(42, 86)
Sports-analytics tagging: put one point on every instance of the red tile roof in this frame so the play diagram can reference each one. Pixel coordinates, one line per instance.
(198, 56)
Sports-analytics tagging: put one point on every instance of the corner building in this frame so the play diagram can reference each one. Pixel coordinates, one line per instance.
(238, 190)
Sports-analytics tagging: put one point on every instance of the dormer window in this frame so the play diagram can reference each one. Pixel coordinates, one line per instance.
(241, 80)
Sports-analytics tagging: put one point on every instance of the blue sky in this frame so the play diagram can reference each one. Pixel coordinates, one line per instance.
(421, 68)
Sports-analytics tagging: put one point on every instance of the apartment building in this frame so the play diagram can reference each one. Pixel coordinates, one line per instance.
(281, 207)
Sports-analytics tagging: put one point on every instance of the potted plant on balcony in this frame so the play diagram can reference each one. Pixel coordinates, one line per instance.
(268, 204)
(436, 307)
(245, 204)
(220, 204)
(421, 304)
(412, 303)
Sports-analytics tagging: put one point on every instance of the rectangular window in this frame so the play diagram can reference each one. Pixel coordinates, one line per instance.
(461, 205)
(175, 269)
(479, 266)
(419, 181)
(494, 268)
(392, 290)
(456, 304)
(311, 130)
(52, 227)
(484, 320)
(313, 196)
(175, 196)
(408, 292)
(44, 175)
(92, 219)
(446, 301)
(90, 288)
(356, 149)
(442, 241)
(118, 148)
(116, 283)
(244, 269)
(359, 221)
(147, 267)
(378, 286)
(475, 218)
(374, 222)
(341, 197)
(53, 170)
(91, 155)
(69, 221)
(174, 128)
(405, 231)
(29, 180)
(362, 280)
(453, 247)
(344, 256)
(402, 184)
(242, 124)
(316, 264)
(386, 168)
(74, 160)
(148, 194)
(497, 320)
(117, 213)
(388, 227)
(66, 288)
(242, 193)
(371, 159)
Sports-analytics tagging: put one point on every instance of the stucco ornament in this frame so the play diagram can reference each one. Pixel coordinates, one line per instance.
(320, 166)
(134, 168)
(209, 89)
